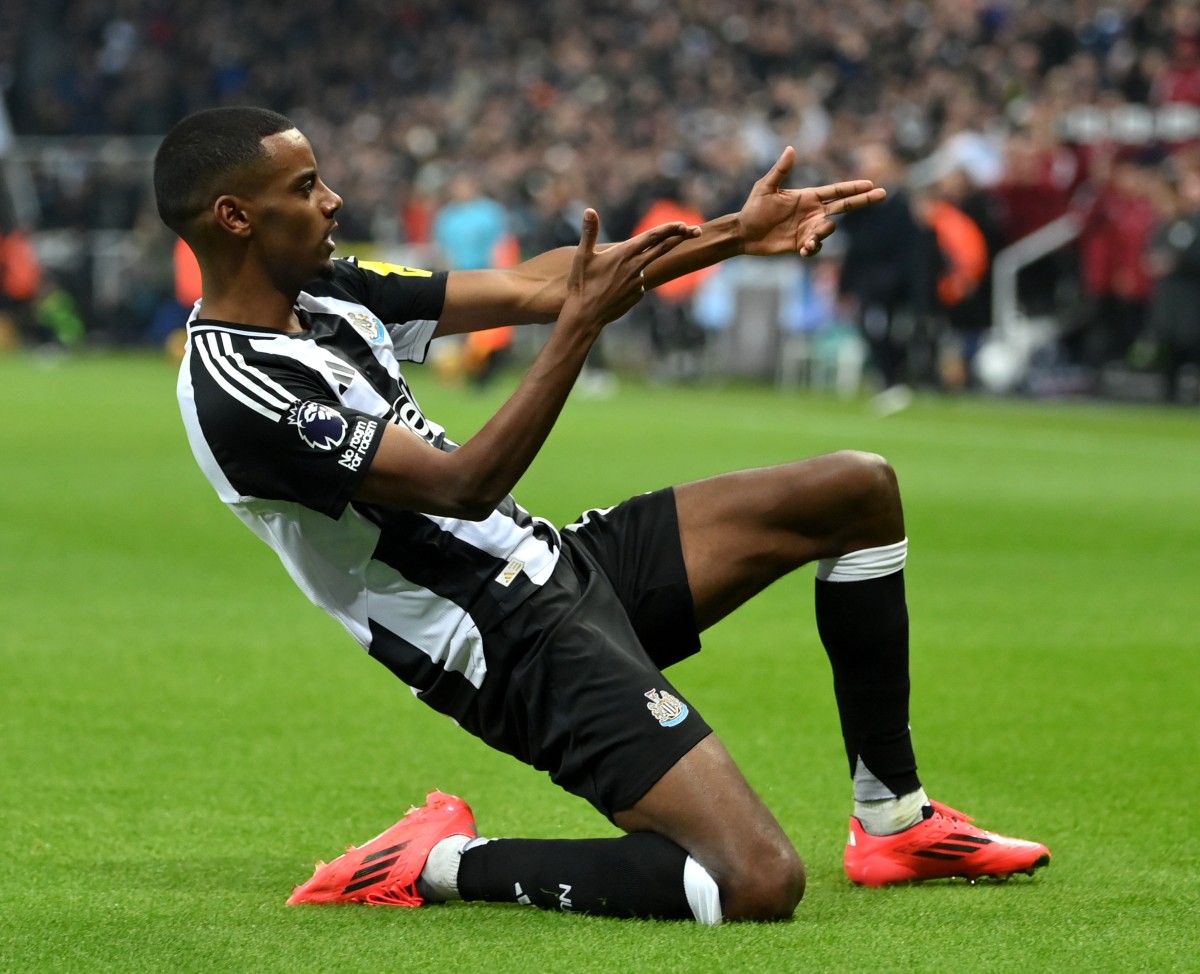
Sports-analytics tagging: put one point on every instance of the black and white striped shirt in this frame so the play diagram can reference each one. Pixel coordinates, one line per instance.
(285, 427)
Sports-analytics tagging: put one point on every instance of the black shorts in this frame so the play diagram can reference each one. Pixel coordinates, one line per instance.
(575, 684)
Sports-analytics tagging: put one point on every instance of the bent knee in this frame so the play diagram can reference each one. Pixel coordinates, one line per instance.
(766, 889)
(871, 512)
(865, 476)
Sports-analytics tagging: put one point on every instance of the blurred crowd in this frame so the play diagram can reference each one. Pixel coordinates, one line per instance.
(987, 119)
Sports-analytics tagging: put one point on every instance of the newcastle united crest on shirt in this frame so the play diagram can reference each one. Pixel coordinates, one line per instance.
(370, 327)
(666, 708)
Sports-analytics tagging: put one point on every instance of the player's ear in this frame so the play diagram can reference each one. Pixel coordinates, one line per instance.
(231, 215)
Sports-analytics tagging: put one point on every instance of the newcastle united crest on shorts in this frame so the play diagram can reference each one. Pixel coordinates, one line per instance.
(667, 709)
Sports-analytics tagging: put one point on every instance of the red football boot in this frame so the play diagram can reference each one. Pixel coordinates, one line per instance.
(385, 870)
(943, 845)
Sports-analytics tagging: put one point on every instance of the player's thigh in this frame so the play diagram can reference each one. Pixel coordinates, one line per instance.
(741, 531)
(705, 805)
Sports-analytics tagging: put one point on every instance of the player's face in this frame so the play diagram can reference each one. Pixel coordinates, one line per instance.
(293, 212)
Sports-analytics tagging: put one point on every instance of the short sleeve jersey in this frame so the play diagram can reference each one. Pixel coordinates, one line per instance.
(285, 427)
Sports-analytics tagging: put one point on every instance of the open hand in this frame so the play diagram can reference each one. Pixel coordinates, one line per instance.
(603, 285)
(775, 220)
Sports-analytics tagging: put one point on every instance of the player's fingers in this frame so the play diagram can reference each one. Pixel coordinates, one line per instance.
(856, 202)
(647, 257)
(844, 197)
(820, 231)
(664, 231)
(590, 231)
(663, 246)
(587, 247)
(850, 187)
(780, 171)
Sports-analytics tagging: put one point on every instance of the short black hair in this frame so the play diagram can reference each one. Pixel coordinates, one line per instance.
(202, 152)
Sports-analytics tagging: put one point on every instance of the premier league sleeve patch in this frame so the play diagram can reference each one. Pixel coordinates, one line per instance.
(321, 427)
(326, 466)
(295, 443)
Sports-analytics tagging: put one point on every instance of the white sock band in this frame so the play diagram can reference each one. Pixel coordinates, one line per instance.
(857, 566)
(891, 815)
(440, 874)
(702, 894)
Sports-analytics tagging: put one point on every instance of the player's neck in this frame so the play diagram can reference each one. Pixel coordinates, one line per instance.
(250, 304)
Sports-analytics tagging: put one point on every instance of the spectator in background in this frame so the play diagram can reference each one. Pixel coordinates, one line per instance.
(167, 326)
(960, 264)
(1118, 219)
(1179, 81)
(556, 219)
(187, 280)
(20, 282)
(470, 227)
(1040, 174)
(882, 273)
(676, 339)
(57, 316)
(970, 144)
(472, 232)
(1173, 259)
(558, 205)
(620, 94)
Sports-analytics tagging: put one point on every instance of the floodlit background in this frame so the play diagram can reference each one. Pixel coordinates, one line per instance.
(181, 735)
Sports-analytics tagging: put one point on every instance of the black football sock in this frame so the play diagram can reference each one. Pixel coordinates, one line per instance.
(864, 626)
(636, 875)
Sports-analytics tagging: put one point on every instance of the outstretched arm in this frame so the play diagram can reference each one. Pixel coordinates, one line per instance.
(600, 286)
(533, 291)
(773, 220)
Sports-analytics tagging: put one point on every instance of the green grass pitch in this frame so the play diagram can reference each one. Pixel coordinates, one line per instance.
(182, 735)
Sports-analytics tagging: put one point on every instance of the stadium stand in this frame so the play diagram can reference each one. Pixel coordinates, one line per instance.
(1011, 112)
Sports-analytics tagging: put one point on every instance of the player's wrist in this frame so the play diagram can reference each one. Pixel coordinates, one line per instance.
(726, 235)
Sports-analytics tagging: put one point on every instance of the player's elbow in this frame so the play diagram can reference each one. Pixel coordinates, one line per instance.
(478, 511)
(453, 506)
(473, 500)
(411, 476)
